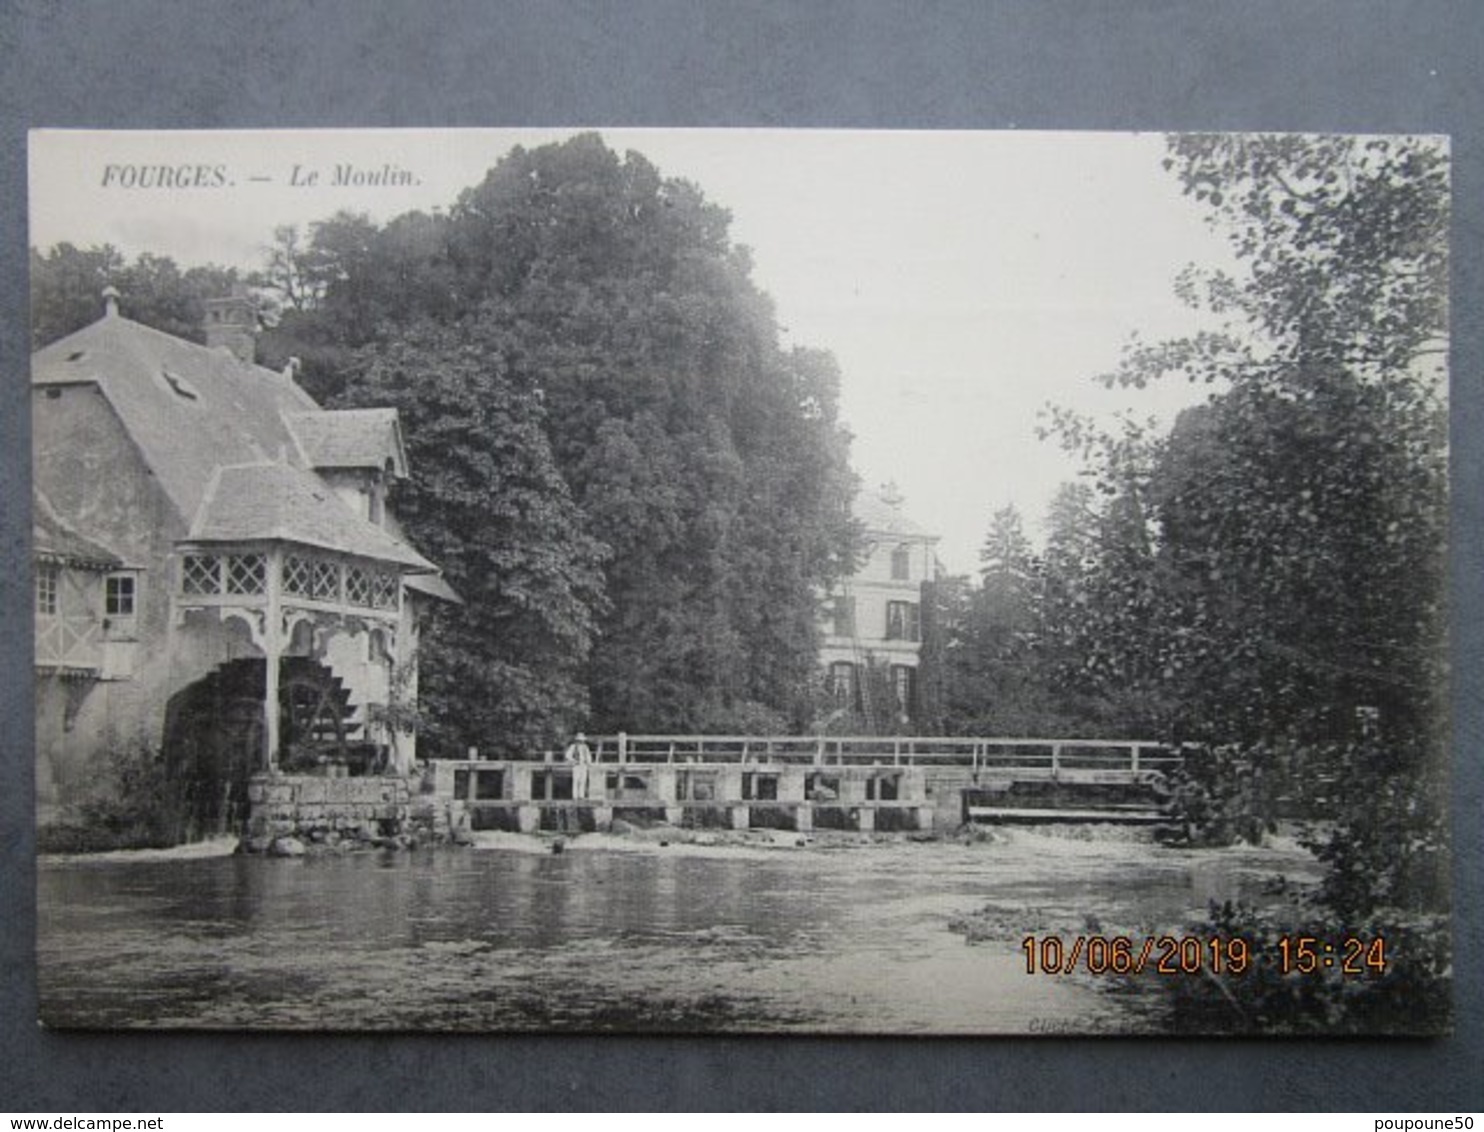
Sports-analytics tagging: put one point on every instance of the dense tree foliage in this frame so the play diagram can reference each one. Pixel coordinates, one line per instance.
(487, 503)
(1297, 519)
(67, 285)
(1053, 642)
(1295, 528)
(1265, 580)
(705, 458)
(995, 680)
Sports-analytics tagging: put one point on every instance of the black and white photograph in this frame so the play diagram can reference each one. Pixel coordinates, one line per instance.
(747, 581)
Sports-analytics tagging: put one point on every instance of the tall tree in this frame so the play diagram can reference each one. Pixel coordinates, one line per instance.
(992, 689)
(1299, 529)
(709, 460)
(486, 501)
(1303, 509)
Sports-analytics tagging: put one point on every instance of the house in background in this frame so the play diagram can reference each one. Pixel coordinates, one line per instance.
(875, 615)
(208, 540)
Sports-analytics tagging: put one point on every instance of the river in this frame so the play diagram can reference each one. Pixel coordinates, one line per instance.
(620, 935)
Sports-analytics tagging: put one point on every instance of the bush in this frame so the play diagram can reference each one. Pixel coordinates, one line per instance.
(1410, 996)
(1386, 878)
(129, 803)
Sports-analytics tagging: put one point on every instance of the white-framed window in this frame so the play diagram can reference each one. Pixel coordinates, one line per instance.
(325, 581)
(318, 579)
(357, 586)
(120, 604)
(120, 591)
(296, 576)
(247, 574)
(201, 574)
(46, 588)
(384, 586)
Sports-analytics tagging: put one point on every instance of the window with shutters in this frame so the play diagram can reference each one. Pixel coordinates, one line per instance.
(844, 616)
(842, 683)
(902, 622)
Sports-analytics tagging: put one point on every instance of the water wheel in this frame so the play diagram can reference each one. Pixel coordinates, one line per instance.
(313, 717)
(214, 734)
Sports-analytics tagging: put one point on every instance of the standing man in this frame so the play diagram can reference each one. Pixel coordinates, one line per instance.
(580, 755)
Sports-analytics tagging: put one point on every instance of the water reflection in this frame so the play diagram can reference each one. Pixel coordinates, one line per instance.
(838, 940)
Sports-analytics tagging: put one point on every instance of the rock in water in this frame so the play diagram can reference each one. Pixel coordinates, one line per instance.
(286, 847)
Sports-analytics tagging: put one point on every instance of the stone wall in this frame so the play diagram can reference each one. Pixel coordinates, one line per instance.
(294, 814)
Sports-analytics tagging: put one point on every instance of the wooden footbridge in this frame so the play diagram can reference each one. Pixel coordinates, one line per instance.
(804, 783)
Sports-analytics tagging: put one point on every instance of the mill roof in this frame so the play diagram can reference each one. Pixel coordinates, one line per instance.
(434, 586)
(233, 445)
(189, 408)
(270, 501)
(351, 438)
(56, 540)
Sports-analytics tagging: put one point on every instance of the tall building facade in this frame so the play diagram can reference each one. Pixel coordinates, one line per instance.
(874, 620)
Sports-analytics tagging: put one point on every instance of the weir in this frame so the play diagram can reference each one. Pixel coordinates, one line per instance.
(802, 783)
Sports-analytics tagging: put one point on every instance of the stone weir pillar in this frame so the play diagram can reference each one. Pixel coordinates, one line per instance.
(291, 814)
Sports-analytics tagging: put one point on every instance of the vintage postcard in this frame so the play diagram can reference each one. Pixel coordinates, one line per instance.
(741, 581)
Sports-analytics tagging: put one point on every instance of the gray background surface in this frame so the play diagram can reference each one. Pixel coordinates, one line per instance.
(1364, 66)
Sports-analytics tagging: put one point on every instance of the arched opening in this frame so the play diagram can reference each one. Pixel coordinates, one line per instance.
(214, 736)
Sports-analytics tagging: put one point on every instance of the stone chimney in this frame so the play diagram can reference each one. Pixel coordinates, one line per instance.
(230, 322)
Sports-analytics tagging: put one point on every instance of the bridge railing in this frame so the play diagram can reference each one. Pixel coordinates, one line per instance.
(978, 754)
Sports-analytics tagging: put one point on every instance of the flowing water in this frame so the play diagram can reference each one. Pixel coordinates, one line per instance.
(615, 935)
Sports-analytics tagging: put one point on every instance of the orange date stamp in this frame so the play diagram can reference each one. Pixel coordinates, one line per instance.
(1179, 955)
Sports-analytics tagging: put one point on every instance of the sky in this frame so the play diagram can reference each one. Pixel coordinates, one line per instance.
(964, 281)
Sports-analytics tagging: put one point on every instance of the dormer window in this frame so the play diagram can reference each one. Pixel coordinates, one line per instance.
(180, 386)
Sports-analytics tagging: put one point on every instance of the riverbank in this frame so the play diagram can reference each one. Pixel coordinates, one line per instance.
(192, 851)
(1066, 843)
